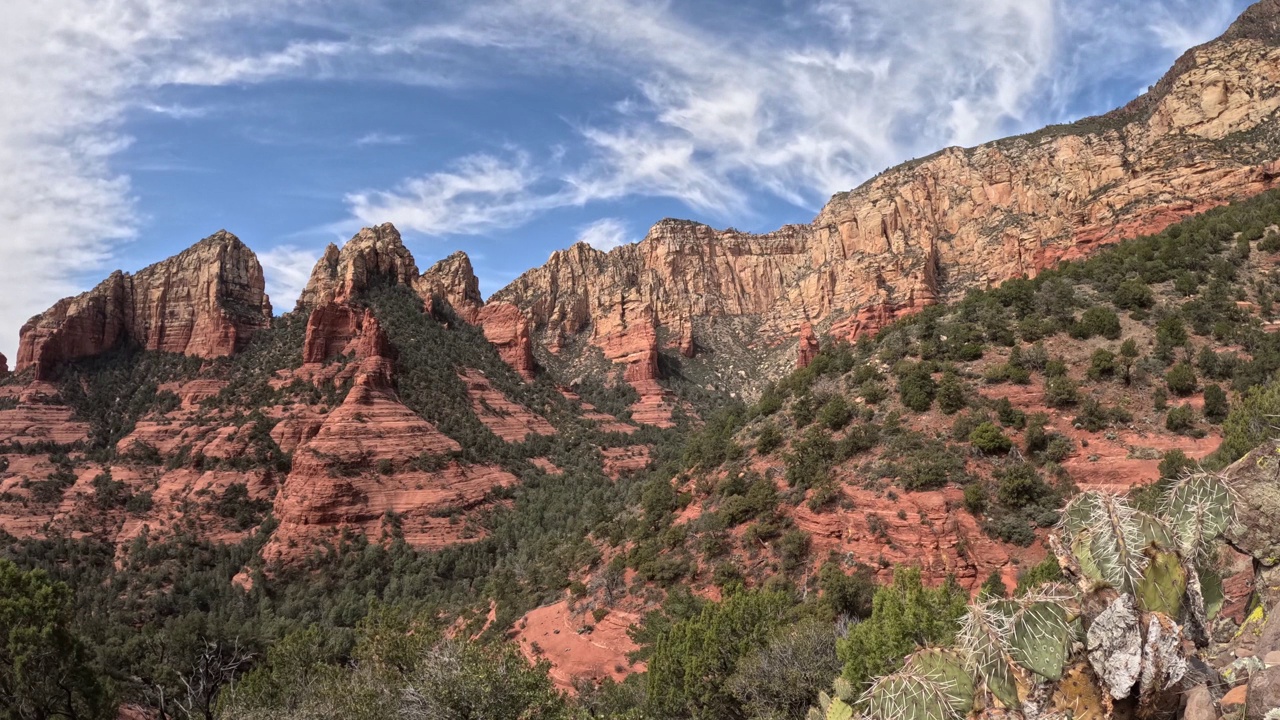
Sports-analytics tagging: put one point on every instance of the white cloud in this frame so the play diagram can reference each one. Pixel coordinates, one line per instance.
(287, 269)
(480, 193)
(380, 138)
(605, 234)
(819, 103)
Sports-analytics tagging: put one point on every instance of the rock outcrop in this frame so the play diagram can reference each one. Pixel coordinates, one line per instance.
(930, 229)
(374, 254)
(454, 281)
(206, 301)
(809, 347)
(4, 365)
(507, 329)
(334, 329)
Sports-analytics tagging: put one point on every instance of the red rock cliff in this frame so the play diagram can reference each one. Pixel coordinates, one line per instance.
(205, 301)
(929, 229)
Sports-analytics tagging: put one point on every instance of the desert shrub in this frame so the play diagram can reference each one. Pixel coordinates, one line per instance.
(1097, 320)
(916, 388)
(975, 498)
(989, 439)
(1181, 379)
(1010, 416)
(1060, 391)
(1102, 364)
(905, 615)
(951, 395)
(1216, 407)
(1180, 419)
(769, 439)
(1133, 295)
(836, 413)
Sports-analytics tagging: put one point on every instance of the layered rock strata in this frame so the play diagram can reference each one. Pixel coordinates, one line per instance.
(206, 301)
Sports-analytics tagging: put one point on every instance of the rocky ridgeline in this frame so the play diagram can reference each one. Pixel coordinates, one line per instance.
(206, 301)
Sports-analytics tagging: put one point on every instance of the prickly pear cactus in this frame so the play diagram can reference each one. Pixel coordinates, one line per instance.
(949, 670)
(1115, 543)
(983, 636)
(1040, 638)
(1163, 584)
(1078, 515)
(1155, 533)
(908, 695)
(1199, 510)
(830, 708)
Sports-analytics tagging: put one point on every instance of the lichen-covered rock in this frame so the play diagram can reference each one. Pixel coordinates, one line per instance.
(1255, 480)
(1115, 647)
(206, 302)
(1263, 694)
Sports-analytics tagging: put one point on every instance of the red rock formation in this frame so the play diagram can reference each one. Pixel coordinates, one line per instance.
(4, 365)
(506, 327)
(688, 348)
(453, 280)
(374, 254)
(809, 347)
(508, 420)
(334, 329)
(973, 216)
(205, 301)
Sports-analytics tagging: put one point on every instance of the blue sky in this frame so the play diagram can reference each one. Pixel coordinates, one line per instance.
(507, 128)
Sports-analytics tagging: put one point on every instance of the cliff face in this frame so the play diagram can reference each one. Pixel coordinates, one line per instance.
(374, 253)
(205, 301)
(454, 281)
(930, 229)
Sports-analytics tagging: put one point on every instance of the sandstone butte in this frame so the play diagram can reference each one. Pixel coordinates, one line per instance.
(206, 301)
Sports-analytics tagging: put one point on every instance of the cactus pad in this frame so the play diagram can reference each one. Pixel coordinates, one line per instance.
(948, 669)
(907, 695)
(983, 634)
(830, 708)
(1041, 635)
(1079, 513)
(1115, 543)
(1199, 510)
(1154, 532)
(1163, 584)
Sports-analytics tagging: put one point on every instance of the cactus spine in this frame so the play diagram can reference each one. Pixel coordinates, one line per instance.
(909, 695)
(1199, 509)
(949, 670)
(982, 636)
(1040, 638)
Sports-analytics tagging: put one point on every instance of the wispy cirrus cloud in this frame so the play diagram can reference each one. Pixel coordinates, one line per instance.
(287, 269)
(477, 194)
(833, 93)
(604, 234)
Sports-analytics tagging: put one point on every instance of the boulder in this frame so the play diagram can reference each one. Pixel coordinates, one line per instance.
(1263, 694)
